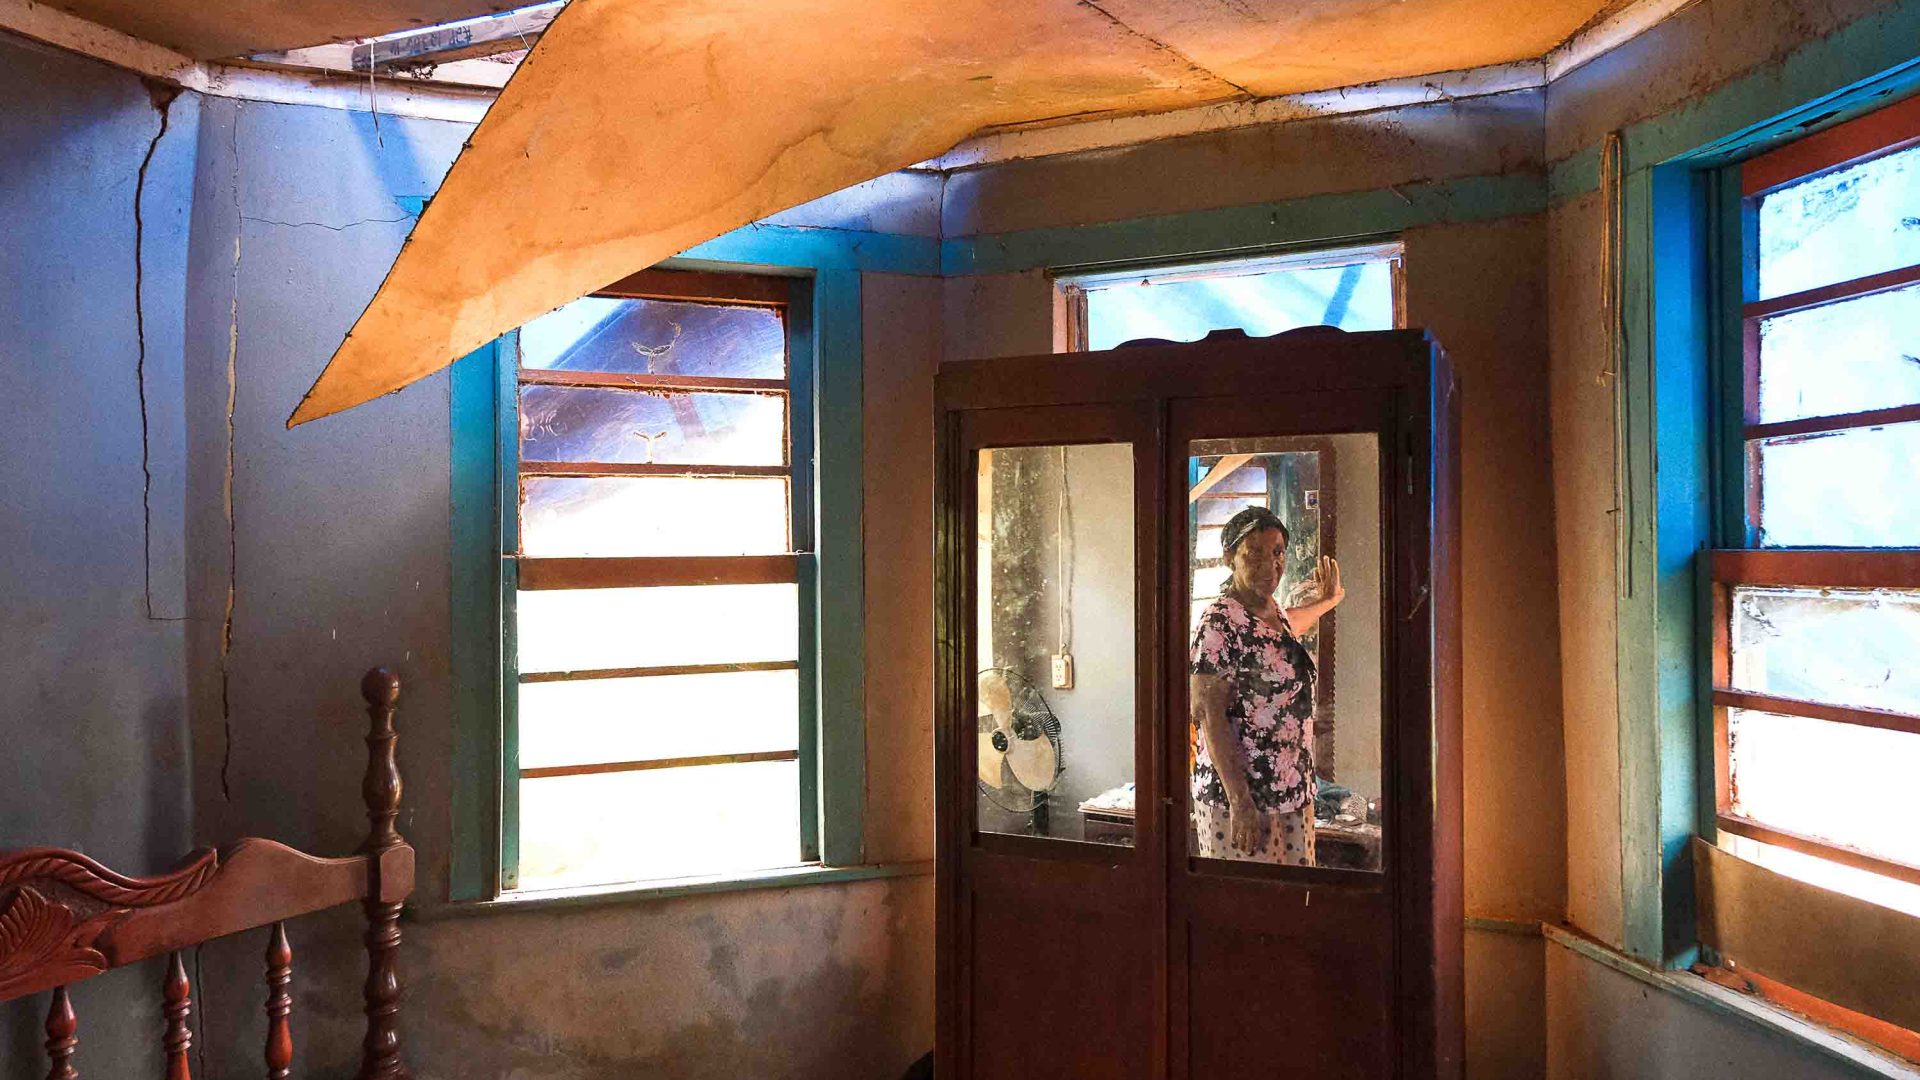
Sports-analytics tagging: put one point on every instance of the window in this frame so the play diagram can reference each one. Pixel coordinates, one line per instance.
(1816, 618)
(1355, 288)
(657, 723)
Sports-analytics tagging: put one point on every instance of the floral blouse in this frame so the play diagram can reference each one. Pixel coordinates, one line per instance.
(1269, 676)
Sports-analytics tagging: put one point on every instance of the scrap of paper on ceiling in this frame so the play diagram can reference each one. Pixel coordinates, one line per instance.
(636, 129)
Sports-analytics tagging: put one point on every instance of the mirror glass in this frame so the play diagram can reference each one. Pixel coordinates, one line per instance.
(1054, 693)
(1284, 658)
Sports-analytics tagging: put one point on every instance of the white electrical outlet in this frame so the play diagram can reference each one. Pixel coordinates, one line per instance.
(1063, 671)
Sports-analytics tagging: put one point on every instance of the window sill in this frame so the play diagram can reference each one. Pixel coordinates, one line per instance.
(1756, 1011)
(634, 892)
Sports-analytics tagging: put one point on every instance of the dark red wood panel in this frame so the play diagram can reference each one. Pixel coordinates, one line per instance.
(1057, 991)
(1281, 1002)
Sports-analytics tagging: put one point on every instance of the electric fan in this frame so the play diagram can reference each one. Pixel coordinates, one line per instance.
(1019, 742)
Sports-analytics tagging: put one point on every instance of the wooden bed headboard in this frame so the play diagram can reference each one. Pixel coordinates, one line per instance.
(65, 917)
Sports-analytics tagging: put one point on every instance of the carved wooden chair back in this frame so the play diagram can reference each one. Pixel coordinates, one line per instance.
(65, 917)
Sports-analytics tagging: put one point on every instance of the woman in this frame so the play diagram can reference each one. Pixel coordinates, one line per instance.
(1252, 694)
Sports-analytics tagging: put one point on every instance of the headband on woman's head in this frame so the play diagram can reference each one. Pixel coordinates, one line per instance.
(1246, 522)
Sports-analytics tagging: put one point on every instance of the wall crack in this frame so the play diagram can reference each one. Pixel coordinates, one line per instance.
(324, 225)
(233, 541)
(1162, 46)
(162, 96)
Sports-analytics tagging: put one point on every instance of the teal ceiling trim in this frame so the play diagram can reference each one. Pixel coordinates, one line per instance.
(820, 248)
(1318, 219)
(1574, 175)
(1868, 63)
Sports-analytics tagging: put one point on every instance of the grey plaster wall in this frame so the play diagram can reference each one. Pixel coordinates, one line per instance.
(183, 641)
(93, 750)
(1663, 73)
(1073, 575)
(332, 556)
(1101, 611)
(1355, 671)
(1606, 1025)
(1601, 1023)
(1364, 152)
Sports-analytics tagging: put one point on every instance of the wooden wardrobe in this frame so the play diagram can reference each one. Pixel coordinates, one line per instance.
(1078, 504)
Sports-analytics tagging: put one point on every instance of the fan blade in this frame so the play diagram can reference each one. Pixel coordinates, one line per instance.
(990, 761)
(1034, 762)
(997, 698)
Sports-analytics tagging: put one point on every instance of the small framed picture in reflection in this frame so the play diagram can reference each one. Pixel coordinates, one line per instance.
(1313, 498)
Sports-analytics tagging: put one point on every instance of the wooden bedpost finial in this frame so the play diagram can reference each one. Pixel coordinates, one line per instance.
(380, 687)
(279, 1004)
(380, 1052)
(382, 787)
(61, 1024)
(178, 1007)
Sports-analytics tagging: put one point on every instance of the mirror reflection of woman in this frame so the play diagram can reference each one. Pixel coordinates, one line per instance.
(1252, 701)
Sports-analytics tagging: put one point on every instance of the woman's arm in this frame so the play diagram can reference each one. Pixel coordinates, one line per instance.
(1209, 696)
(1304, 617)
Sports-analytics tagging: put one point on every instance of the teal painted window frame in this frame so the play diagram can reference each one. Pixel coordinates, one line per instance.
(824, 335)
(1682, 252)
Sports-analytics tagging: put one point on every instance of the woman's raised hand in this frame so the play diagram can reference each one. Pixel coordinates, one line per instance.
(1329, 575)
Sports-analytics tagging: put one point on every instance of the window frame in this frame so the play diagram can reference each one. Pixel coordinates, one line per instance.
(826, 431)
(1071, 284)
(1741, 560)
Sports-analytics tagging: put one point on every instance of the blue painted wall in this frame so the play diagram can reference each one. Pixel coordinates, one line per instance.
(92, 655)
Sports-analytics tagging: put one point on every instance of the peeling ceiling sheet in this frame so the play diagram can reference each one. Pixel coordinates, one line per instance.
(639, 128)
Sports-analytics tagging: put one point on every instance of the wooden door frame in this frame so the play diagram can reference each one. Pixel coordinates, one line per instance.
(1423, 617)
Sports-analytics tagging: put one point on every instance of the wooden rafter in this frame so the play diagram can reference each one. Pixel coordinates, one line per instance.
(1222, 469)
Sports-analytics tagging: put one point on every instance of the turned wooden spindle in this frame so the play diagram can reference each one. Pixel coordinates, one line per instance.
(61, 1024)
(279, 1004)
(380, 1054)
(178, 1006)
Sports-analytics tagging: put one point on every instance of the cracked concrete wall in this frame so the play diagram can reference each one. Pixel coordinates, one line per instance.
(1600, 1023)
(91, 499)
(1606, 1025)
(321, 551)
(1480, 287)
(1667, 69)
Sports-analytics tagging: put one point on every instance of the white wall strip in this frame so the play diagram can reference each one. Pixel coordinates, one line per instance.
(1610, 33)
(1769, 1018)
(390, 96)
(1583, 46)
(1120, 131)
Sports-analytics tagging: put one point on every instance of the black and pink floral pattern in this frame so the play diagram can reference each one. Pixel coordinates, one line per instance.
(1269, 676)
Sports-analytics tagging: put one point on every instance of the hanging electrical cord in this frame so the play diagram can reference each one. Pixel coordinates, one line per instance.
(1064, 549)
(1612, 289)
(1063, 575)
